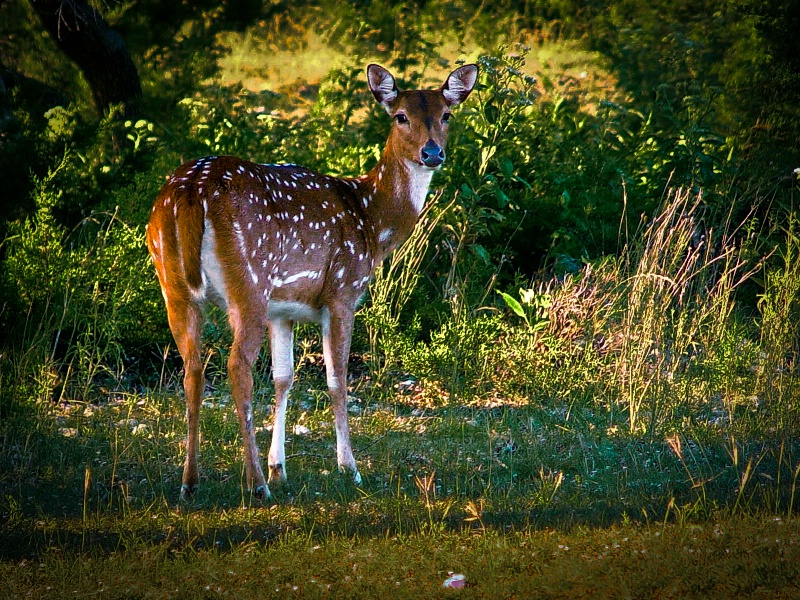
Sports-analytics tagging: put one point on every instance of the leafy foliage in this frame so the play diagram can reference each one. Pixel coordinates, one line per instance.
(620, 264)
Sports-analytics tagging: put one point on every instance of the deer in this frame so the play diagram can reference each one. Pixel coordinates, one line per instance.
(276, 244)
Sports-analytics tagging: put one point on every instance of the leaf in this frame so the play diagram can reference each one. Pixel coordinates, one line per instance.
(507, 168)
(502, 199)
(514, 305)
(482, 253)
(492, 113)
(487, 152)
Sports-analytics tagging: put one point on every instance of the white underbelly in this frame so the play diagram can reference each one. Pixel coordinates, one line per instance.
(295, 311)
(214, 285)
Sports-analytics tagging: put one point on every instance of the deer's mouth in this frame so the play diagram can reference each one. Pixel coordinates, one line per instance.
(429, 167)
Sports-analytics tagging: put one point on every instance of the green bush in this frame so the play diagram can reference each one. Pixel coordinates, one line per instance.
(84, 299)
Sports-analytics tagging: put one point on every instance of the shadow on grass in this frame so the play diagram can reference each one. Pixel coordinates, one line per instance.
(101, 488)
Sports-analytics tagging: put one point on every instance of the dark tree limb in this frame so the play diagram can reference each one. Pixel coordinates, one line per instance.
(99, 51)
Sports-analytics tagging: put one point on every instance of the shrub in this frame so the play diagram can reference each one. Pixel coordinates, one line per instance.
(85, 296)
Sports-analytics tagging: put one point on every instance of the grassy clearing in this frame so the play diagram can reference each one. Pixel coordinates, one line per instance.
(294, 57)
(537, 500)
(729, 558)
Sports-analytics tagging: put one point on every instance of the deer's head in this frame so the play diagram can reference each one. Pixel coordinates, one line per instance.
(421, 117)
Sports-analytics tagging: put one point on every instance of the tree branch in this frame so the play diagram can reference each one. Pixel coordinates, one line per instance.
(99, 51)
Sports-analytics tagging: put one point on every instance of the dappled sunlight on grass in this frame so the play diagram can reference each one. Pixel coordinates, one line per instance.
(526, 466)
(260, 61)
(292, 57)
(729, 557)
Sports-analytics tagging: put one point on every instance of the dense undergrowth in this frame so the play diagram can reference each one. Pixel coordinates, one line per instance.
(596, 323)
(662, 330)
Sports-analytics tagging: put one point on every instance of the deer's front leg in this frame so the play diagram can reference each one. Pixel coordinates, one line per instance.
(280, 338)
(337, 330)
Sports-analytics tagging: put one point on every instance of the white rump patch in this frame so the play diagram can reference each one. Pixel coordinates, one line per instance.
(212, 274)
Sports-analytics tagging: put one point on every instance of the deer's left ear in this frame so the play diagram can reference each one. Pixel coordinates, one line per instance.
(459, 84)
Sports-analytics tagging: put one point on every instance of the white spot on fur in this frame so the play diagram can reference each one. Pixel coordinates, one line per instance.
(253, 274)
(299, 275)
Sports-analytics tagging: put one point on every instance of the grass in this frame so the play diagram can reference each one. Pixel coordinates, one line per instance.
(529, 499)
(731, 558)
(294, 56)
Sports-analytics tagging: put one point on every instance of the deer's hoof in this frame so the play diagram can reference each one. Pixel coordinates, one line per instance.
(277, 474)
(262, 492)
(187, 491)
(352, 472)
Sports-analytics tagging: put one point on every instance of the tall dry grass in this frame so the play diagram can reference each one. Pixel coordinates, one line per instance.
(648, 332)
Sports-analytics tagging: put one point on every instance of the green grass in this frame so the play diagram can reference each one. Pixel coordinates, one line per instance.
(530, 499)
(732, 558)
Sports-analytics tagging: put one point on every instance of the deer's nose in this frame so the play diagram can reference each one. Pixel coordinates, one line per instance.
(432, 154)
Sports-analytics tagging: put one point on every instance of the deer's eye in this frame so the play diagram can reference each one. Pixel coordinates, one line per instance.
(446, 117)
(401, 118)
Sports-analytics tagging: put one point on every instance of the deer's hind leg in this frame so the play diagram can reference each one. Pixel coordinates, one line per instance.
(186, 322)
(248, 335)
(337, 331)
(281, 342)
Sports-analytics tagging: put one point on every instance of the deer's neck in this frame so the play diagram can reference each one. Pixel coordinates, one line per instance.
(393, 195)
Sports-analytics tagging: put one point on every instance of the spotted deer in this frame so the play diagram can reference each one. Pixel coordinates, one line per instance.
(278, 244)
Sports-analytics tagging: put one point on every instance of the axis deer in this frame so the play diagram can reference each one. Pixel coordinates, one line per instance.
(276, 244)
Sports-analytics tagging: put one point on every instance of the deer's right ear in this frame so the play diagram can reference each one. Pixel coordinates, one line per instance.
(382, 84)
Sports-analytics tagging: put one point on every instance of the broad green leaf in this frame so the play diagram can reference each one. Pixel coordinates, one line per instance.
(513, 304)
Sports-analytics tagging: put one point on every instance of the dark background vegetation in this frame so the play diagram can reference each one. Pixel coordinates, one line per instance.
(710, 95)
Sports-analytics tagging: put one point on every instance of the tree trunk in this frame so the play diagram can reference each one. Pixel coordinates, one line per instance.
(99, 51)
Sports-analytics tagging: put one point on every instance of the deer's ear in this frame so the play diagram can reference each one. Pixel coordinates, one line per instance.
(459, 84)
(382, 84)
